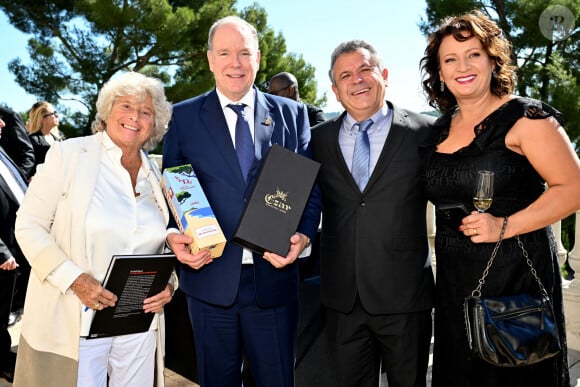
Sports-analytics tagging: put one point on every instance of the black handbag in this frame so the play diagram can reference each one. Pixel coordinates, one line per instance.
(511, 331)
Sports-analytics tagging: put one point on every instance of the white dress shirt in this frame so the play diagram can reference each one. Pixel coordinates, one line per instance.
(231, 119)
(117, 221)
(11, 181)
(378, 134)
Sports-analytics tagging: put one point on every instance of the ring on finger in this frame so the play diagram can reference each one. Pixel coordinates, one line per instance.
(475, 231)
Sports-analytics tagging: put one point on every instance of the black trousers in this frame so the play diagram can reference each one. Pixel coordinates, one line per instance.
(7, 278)
(362, 344)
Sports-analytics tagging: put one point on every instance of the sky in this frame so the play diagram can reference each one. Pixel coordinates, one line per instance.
(311, 28)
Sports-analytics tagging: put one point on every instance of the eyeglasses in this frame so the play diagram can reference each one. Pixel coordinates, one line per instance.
(50, 114)
(277, 92)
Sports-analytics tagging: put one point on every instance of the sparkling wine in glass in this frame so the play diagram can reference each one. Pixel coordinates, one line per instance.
(483, 196)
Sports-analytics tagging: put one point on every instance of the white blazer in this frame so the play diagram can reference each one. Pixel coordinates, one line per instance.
(50, 229)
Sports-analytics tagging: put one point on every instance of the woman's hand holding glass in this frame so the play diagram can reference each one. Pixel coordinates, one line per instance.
(483, 195)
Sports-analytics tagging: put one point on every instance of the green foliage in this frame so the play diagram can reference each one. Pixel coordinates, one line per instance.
(548, 70)
(186, 169)
(76, 46)
(182, 196)
(277, 60)
(436, 10)
(564, 93)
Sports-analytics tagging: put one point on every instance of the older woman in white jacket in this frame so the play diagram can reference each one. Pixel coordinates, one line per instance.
(94, 197)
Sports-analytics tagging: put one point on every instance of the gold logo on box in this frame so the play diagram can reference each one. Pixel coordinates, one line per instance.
(277, 201)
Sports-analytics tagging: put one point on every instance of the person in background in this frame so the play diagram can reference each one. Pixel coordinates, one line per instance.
(469, 76)
(286, 85)
(43, 130)
(376, 277)
(15, 141)
(94, 197)
(12, 190)
(240, 303)
(16, 144)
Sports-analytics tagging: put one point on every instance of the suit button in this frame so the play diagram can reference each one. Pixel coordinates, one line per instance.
(362, 204)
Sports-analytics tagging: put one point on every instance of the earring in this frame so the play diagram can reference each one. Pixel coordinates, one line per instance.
(442, 88)
(494, 73)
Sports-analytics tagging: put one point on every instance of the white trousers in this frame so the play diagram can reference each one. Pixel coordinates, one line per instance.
(128, 360)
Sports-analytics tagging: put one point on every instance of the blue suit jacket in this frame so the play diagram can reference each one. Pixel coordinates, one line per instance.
(198, 135)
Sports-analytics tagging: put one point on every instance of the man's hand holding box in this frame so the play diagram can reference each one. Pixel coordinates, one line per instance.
(192, 211)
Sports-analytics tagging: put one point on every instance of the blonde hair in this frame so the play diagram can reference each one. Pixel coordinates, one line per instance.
(36, 116)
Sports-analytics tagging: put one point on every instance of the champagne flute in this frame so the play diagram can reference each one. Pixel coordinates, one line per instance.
(483, 196)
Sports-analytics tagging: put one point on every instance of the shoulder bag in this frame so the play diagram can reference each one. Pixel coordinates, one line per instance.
(511, 331)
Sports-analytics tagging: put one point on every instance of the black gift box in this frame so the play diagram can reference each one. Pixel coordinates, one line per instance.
(277, 202)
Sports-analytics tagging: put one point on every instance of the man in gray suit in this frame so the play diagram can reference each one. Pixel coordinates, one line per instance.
(376, 277)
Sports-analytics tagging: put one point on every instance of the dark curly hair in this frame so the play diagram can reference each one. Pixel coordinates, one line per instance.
(463, 27)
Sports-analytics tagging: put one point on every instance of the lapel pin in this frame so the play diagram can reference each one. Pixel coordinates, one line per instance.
(267, 121)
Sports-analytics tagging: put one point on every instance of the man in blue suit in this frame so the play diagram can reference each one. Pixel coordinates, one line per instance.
(240, 303)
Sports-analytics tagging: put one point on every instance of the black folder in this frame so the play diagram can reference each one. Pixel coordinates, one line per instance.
(133, 278)
(277, 202)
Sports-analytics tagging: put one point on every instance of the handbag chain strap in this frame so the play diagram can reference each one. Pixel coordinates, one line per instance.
(477, 291)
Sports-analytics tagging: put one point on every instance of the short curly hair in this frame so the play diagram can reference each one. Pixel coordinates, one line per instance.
(464, 27)
(140, 86)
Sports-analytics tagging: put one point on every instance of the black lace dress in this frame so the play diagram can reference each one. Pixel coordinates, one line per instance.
(450, 178)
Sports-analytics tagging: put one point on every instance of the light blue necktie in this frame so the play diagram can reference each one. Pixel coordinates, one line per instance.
(244, 143)
(362, 154)
(13, 171)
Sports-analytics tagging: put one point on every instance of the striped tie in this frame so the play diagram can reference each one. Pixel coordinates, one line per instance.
(361, 156)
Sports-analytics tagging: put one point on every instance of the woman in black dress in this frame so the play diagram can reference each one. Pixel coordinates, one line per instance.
(469, 77)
